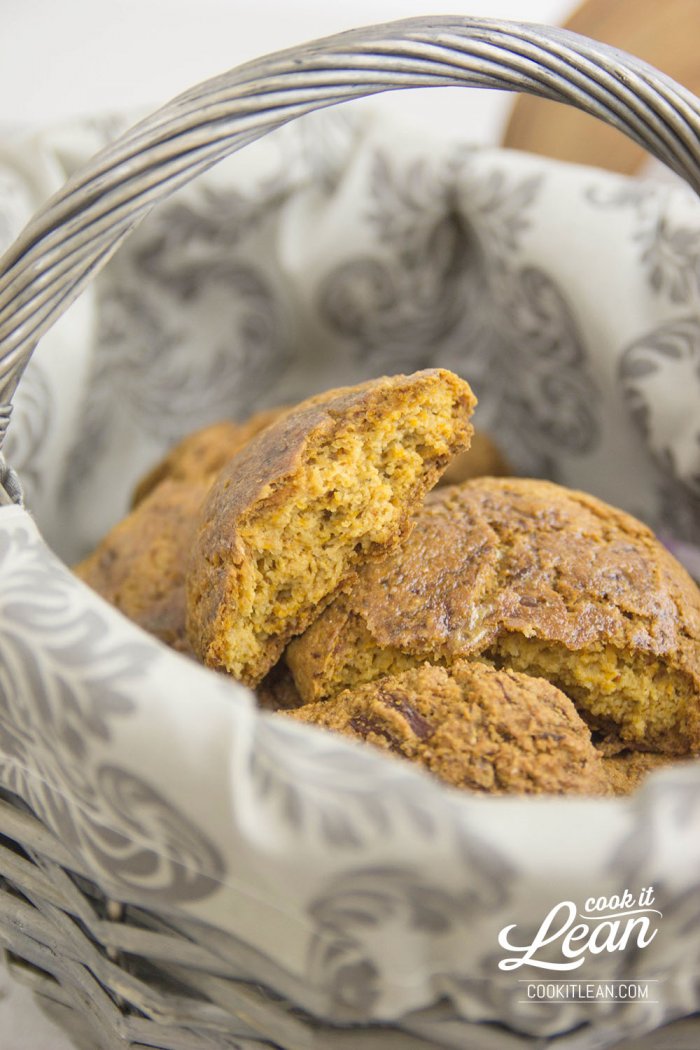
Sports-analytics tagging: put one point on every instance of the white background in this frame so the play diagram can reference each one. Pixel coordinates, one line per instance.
(65, 58)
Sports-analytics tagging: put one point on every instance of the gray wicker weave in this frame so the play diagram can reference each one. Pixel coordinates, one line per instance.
(126, 976)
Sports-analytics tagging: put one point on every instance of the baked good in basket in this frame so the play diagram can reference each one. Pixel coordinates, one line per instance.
(537, 578)
(139, 566)
(326, 487)
(472, 726)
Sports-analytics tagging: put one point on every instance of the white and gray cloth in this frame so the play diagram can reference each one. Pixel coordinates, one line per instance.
(338, 249)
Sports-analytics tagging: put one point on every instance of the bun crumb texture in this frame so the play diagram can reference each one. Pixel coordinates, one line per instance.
(327, 487)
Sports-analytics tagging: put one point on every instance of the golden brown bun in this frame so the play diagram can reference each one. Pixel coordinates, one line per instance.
(473, 727)
(536, 577)
(329, 485)
(140, 564)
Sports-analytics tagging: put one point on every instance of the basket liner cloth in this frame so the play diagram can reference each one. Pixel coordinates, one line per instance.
(356, 888)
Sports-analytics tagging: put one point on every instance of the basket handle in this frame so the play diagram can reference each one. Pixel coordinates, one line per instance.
(78, 230)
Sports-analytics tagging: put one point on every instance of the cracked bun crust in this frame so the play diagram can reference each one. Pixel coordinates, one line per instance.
(537, 578)
(472, 726)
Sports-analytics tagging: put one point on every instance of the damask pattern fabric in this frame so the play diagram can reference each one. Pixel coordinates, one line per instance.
(338, 249)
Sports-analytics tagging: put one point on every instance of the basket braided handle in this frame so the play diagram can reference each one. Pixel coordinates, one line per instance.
(78, 230)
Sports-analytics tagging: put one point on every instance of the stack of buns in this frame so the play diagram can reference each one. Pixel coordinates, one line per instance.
(507, 634)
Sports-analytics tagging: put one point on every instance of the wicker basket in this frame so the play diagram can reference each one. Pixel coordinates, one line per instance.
(134, 971)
